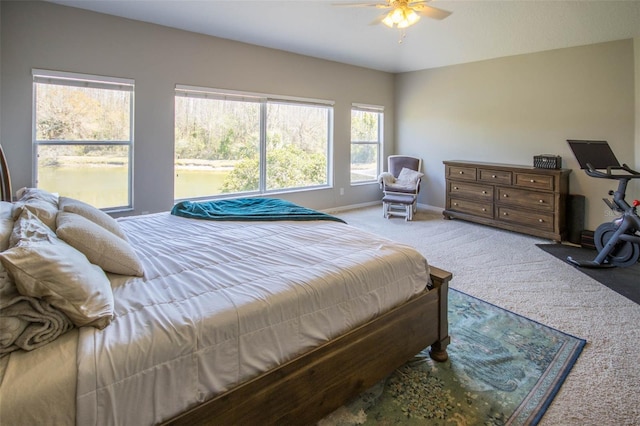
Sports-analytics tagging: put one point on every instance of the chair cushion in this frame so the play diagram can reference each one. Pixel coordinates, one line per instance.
(394, 187)
(399, 199)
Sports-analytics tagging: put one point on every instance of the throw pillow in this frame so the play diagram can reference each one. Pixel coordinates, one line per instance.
(408, 177)
(102, 247)
(95, 215)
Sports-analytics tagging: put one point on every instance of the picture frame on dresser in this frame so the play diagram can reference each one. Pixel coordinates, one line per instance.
(517, 198)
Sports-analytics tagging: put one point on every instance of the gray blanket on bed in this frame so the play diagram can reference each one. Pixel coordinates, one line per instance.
(26, 322)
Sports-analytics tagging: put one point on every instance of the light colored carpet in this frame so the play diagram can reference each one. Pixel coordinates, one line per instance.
(508, 270)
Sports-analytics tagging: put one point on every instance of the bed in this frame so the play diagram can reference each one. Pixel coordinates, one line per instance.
(235, 323)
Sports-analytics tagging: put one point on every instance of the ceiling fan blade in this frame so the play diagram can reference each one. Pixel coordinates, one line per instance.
(378, 20)
(430, 11)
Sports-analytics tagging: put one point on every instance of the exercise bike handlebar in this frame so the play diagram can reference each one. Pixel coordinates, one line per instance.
(631, 174)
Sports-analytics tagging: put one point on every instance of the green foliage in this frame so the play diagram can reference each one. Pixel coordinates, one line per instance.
(244, 177)
(364, 153)
(287, 167)
(364, 126)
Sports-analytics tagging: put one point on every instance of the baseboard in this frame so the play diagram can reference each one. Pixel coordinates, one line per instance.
(433, 209)
(338, 209)
(352, 206)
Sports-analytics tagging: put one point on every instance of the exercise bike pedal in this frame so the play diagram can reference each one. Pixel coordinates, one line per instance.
(589, 263)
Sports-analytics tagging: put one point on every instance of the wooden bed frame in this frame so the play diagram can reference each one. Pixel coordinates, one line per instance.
(312, 385)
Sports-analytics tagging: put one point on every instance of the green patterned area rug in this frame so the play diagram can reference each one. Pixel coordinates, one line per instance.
(503, 369)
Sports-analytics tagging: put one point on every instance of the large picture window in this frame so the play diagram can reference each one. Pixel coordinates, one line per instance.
(232, 143)
(366, 143)
(83, 137)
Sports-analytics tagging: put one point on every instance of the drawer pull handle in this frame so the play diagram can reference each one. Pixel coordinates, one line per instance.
(542, 201)
(505, 214)
(494, 176)
(505, 195)
(533, 181)
(455, 187)
(484, 192)
(455, 204)
(541, 220)
(484, 210)
(461, 172)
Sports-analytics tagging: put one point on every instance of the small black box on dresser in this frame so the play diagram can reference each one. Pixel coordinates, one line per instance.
(547, 161)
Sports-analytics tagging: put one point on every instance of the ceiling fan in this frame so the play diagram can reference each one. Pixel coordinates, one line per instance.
(402, 13)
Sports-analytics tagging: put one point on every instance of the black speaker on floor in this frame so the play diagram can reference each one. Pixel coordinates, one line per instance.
(575, 218)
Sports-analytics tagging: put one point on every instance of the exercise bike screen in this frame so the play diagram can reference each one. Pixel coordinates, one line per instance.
(596, 153)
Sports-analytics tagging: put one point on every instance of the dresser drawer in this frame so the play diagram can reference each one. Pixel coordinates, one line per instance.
(526, 198)
(538, 220)
(530, 180)
(464, 173)
(470, 190)
(494, 176)
(477, 208)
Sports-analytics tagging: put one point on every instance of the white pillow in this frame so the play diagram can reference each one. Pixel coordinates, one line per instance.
(42, 209)
(29, 228)
(46, 267)
(95, 215)
(102, 248)
(24, 194)
(408, 177)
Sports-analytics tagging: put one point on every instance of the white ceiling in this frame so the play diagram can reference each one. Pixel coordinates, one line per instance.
(477, 30)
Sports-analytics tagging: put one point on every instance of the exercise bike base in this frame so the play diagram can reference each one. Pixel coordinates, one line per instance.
(589, 264)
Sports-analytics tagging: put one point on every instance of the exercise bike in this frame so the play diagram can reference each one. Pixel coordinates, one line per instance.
(618, 241)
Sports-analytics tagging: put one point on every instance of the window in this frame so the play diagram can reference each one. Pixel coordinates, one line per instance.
(83, 137)
(240, 143)
(366, 142)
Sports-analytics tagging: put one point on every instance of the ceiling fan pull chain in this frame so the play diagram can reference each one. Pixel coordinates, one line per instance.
(402, 34)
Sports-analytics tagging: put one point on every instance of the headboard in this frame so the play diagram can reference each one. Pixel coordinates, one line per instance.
(5, 181)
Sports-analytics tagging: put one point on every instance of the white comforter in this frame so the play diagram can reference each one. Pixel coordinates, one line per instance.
(221, 302)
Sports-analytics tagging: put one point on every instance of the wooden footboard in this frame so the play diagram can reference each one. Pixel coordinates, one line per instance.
(307, 388)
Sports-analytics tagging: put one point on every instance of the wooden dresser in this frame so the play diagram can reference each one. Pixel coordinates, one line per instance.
(517, 198)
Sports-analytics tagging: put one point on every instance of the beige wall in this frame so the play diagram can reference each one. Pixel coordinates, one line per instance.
(507, 110)
(50, 36)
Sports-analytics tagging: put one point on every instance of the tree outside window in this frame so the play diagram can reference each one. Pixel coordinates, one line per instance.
(83, 137)
(366, 143)
(242, 143)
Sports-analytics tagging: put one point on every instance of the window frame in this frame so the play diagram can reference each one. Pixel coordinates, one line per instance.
(264, 100)
(379, 143)
(72, 79)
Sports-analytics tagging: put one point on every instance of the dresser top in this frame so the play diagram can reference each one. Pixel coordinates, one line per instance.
(502, 166)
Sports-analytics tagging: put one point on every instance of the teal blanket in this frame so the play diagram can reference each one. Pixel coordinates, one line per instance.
(248, 209)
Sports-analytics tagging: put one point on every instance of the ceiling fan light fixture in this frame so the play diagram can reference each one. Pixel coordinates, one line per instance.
(401, 17)
(410, 18)
(397, 15)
